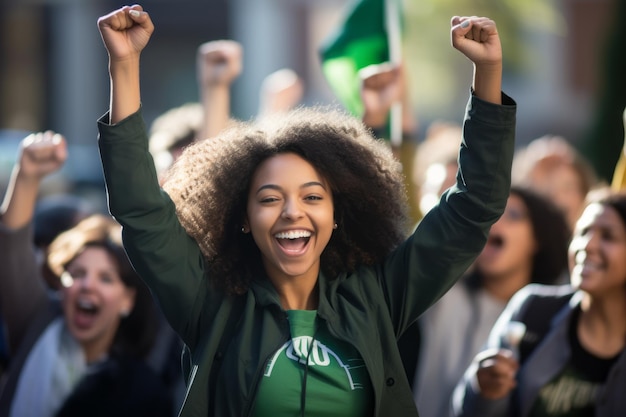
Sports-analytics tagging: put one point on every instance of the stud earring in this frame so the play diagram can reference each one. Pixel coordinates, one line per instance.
(335, 226)
(244, 229)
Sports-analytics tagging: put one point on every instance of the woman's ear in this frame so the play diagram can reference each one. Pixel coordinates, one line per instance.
(245, 226)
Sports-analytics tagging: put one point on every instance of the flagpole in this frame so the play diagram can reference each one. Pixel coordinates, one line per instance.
(392, 23)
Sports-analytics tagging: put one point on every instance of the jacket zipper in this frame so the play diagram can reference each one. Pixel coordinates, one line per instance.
(261, 370)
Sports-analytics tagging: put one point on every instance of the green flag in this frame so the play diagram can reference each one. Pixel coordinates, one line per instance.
(361, 40)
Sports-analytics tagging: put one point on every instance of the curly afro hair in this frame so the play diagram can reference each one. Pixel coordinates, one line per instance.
(209, 185)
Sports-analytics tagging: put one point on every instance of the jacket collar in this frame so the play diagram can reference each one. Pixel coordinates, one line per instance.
(266, 294)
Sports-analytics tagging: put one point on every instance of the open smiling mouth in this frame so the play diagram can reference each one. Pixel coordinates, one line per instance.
(293, 242)
(86, 313)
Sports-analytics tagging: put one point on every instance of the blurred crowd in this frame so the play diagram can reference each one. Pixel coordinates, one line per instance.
(553, 263)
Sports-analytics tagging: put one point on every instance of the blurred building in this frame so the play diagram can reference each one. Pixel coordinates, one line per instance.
(53, 66)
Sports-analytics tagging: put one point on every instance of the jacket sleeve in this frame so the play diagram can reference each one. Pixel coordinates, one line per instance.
(160, 250)
(453, 233)
(22, 287)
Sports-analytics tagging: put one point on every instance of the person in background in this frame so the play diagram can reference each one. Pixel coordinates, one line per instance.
(528, 244)
(551, 165)
(280, 250)
(80, 353)
(571, 359)
(281, 91)
(53, 215)
(435, 163)
(219, 63)
(381, 87)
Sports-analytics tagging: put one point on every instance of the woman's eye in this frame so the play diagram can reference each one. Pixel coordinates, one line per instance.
(76, 274)
(269, 199)
(313, 197)
(107, 278)
(609, 236)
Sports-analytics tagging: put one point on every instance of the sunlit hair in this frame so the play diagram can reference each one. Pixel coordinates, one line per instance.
(549, 152)
(174, 129)
(610, 198)
(209, 185)
(137, 331)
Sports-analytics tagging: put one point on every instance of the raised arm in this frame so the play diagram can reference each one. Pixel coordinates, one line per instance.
(22, 288)
(477, 38)
(161, 252)
(125, 32)
(219, 64)
(451, 235)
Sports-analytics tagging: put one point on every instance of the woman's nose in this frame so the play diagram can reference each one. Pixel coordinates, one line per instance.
(85, 282)
(292, 209)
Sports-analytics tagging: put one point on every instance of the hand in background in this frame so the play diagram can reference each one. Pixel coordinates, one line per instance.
(41, 154)
(381, 87)
(496, 373)
(280, 91)
(219, 62)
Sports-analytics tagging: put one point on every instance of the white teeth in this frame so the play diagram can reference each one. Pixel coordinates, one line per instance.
(589, 266)
(585, 263)
(293, 234)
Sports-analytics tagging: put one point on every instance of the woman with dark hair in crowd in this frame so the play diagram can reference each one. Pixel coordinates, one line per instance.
(571, 358)
(528, 244)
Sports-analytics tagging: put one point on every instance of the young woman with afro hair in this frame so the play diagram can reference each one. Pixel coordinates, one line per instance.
(281, 250)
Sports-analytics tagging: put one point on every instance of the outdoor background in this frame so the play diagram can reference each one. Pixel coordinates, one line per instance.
(565, 64)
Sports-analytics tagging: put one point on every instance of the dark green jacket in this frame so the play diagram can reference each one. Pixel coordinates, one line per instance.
(231, 338)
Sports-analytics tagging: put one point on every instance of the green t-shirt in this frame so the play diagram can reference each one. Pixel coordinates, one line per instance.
(334, 383)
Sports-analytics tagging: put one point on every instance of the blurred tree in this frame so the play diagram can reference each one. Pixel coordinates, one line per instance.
(604, 141)
(438, 76)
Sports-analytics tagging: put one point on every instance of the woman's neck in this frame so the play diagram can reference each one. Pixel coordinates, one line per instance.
(297, 293)
(602, 324)
(502, 287)
(298, 297)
